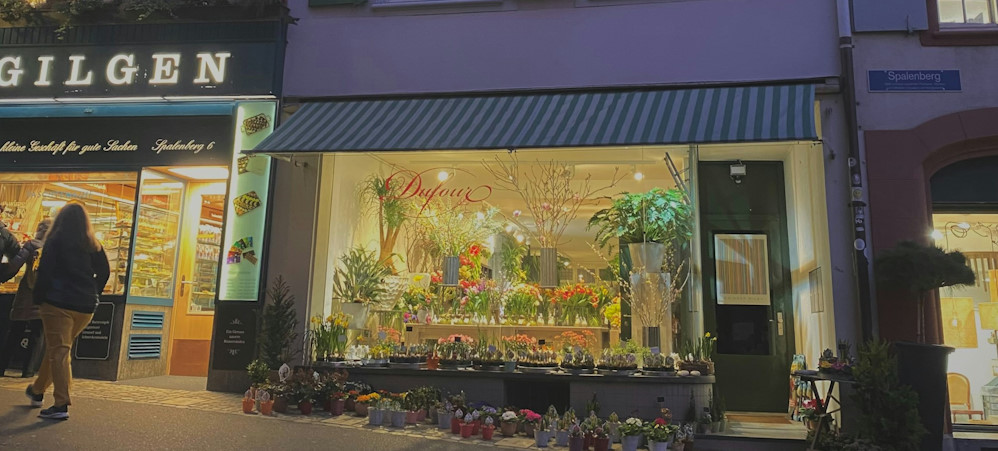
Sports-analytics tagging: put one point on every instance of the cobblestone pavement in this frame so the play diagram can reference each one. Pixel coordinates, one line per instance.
(232, 404)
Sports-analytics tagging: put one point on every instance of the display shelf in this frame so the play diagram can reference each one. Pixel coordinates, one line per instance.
(420, 333)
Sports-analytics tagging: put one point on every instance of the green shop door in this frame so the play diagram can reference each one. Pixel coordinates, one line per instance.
(747, 301)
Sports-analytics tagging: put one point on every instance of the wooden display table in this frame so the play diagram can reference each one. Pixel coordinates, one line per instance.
(422, 333)
(635, 395)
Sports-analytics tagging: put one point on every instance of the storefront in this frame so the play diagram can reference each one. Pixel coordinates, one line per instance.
(147, 134)
(481, 225)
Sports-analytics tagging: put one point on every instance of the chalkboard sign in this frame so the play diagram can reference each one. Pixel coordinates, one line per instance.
(94, 343)
(235, 339)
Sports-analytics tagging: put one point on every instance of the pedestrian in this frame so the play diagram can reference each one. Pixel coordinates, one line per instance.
(10, 250)
(71, 276)
(25, 329)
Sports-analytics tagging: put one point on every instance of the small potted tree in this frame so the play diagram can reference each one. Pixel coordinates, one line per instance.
(917, 270)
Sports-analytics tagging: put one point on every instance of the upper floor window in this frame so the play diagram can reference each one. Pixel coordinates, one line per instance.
(967, 13)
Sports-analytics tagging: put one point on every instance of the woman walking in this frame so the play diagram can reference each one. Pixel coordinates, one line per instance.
(71, 275)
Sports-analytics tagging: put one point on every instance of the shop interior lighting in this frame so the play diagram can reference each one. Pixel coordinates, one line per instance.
(964, 225)
(638, 175)
(53, 203)
(936, 235)
(443, 176)
(480, 216)
(94, 193)
(201, 172)
(519, 238)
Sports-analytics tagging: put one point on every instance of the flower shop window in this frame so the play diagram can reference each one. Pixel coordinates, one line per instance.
(495, 252)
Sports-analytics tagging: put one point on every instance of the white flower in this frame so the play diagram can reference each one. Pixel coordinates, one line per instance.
(634, 422)
(508, 416)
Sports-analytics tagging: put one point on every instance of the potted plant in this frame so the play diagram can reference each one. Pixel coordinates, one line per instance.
(452, 230)
(542, 432)
(338, 402)
(589, 426)
(631, 434)
(613, 427)
(279, 392)
(302, 391)
(576, 439)
(530, 420)
(601, 441)
(646, 222)
(376, 411)
(364, 403)
(916, 270)
(399, 414)
(488, 428)
(467, 426)
(564, 424)
(265, 402)
(392, 210)
(444, 415)
(659, 434)
(277, 329)
(259, 374)
(508, 423)
(248, 401)
(696, 355)
(357, 282)
(456, 421)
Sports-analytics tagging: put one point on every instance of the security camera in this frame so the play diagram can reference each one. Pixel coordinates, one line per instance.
(737, 172)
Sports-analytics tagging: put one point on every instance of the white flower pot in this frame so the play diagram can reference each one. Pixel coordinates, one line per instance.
(358, 314)
(646, 257)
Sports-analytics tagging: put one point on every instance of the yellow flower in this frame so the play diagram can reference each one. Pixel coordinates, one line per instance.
(329, 319)
(418, 277)
(708, 335)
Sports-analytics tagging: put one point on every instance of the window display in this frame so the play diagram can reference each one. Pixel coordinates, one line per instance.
(510, 247)
(109, 198)
(156, 237)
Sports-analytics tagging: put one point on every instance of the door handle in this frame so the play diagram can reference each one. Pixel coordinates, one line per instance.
(183, 285)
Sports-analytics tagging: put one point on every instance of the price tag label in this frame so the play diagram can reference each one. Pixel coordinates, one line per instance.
(541, 342)
(408, 328)
(457, 339)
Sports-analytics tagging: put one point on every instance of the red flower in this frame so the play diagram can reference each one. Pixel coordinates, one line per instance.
(475, 250)
(660, 422)
(465, 261)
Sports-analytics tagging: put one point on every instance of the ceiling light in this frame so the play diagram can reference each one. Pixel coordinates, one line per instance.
(639, 176)
(53, 203)
(937, 235)
(202, 172)
(443, 176)
(964, 226)
(519, 238)
(480, 216)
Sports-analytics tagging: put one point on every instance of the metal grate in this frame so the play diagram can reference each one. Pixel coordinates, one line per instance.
(145, 346)
(147, 320)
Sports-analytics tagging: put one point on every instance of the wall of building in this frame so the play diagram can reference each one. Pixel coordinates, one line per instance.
(553, 44)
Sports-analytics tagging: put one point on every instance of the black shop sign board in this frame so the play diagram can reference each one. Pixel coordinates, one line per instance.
(94, 343)
(73, 142)
(235, 338)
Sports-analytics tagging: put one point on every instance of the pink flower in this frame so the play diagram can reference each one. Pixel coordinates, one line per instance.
(546, 206)
(517, 213)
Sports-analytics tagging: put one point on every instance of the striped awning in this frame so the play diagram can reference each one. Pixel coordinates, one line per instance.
(682, 116)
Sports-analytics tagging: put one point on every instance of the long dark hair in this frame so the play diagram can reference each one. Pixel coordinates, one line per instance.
(72, 228)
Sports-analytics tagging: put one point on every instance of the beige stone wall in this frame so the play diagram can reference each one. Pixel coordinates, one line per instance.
(137, 368)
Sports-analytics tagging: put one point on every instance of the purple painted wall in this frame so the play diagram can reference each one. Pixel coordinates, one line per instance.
(531, 44)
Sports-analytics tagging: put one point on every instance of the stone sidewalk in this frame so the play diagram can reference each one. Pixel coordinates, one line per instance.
(232, 404)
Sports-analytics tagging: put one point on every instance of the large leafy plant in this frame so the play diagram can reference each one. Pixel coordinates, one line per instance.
(918, 269)
(657, 216)
(359, 276)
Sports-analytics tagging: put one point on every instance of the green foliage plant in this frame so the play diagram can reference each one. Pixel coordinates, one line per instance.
(359, 276)
(888, 409)
(277, 335)
(657, 216)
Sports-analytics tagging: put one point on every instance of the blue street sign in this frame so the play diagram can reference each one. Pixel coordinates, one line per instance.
(913, 80)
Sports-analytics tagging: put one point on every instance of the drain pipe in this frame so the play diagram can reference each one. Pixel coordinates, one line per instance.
(857, 190)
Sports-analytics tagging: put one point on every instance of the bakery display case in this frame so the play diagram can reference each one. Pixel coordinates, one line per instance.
(156, 236)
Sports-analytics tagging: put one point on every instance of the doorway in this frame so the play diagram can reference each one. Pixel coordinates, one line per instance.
(747, 300)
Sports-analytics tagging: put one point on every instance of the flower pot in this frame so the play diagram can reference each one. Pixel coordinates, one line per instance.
(455, 425)
(587, 443)
(715, 427)
(507, 428)
(601, 444)
(466, 429)
(358, 314)
(393, 287)
(432, 363)
(444, 419)
(646, 257)
(487, 432)
(723, 426)
(386, 418)
(549, 267)
(528, 429)
(451, 267)
(281, 405)
(375, 416)
(350, 405)
(613, 430)
(561, 438)
(509, 367)
(575, 443)
(679, 446)
(541, 438)
(630, 442)
(658, 446)
(338, 406)
(923, 367)
(267, 407)
(421, 415)
(362, 409)
(398, 419)
(305, 407)
(248, 405)
(476, 427)
(412, 417)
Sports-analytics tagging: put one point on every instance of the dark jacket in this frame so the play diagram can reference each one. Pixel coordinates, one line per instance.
(24, 308)
(71, 278)
(16, 256)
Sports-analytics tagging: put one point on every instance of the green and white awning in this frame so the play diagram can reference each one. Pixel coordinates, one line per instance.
(681, 116)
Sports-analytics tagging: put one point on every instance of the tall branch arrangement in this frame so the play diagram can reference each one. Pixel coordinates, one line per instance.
(549, 192)
(392, 212)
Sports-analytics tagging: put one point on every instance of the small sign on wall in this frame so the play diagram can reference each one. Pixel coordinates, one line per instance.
(914, 80)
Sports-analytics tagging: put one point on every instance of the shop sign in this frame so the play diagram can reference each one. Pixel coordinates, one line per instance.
(426, 186)
(116, 141)
(136, 71)
(914, 80)
(94, 343)
(235, 337)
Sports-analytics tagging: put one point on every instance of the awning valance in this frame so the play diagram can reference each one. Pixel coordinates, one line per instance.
(681, 116)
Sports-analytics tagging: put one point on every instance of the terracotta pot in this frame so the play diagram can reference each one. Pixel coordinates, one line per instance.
(267, 407)
(455, 425)
(432, 363)
(508, 429)
(575, 443)
(338, 407)
(281, 405)
(477, 429)
(588, 442)
(601, 444)
(361, 408)
(487, 432)
(466, 429)
(305, 407)
(350, 405)
(248, 405)
(412, 417)
(421, 415)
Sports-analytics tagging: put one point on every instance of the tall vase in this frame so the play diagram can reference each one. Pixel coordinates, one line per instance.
(451, 267)
(358, 312)
(647, 257)
(549, 267)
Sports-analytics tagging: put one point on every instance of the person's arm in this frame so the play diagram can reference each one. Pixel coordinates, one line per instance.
(14, 263)
(102, 269)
